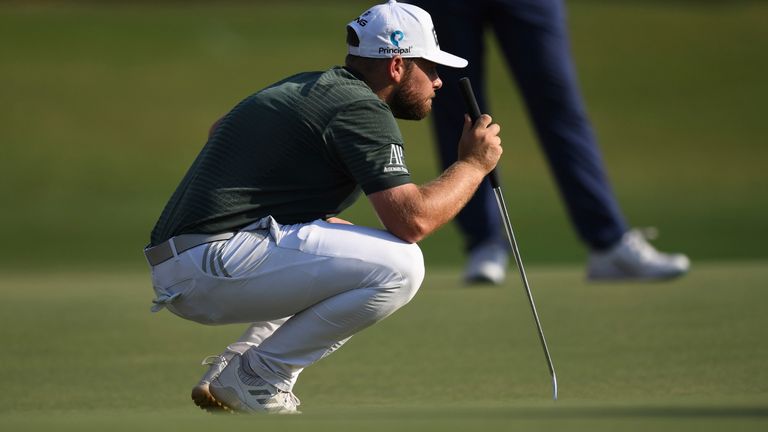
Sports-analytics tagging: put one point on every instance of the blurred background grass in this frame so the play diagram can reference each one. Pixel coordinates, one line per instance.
(105, 104)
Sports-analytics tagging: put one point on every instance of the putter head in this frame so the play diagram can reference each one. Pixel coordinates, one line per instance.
(554, 386)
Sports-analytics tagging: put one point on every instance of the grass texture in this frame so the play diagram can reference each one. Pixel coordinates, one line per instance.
(82, 351)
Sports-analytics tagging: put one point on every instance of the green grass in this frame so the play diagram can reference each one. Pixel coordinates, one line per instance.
(105, 106)
(81, 351)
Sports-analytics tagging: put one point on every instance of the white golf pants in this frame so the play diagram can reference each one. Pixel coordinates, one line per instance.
(304, 289)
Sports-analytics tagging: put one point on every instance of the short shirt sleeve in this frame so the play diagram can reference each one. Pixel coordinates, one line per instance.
(367, 140)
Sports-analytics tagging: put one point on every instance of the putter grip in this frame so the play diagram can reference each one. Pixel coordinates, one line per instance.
(474, 113)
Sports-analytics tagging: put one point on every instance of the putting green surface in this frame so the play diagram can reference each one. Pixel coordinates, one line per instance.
(82, 351)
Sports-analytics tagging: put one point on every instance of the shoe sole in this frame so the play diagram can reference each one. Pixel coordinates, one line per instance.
(203, 398)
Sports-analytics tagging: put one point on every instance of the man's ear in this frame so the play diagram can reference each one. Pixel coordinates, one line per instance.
(396, 69)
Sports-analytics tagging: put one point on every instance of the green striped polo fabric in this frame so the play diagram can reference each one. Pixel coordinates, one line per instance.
(299, 150)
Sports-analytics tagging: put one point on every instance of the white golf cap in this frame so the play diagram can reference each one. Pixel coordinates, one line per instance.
(393, 28)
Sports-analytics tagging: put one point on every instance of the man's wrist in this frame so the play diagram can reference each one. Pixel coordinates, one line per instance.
(471, 168)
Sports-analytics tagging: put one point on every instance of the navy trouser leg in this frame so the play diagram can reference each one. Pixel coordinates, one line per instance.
(459, 26)
(534, 39)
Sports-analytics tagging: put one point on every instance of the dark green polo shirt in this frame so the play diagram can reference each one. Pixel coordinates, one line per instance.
(298, 150)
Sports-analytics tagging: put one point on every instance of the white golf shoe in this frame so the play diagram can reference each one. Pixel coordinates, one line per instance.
(239, 391)
(634, 259)
(487, 263)
(201, 393)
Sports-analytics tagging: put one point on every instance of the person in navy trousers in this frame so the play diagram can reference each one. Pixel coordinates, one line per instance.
(533, 38)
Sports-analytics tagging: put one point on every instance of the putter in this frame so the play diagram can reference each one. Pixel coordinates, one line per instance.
(474, 113)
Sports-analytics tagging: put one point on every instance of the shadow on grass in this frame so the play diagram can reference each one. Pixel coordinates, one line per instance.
(555, 412)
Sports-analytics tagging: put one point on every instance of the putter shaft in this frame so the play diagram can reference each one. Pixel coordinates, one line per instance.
(474, 113)
(524, 278)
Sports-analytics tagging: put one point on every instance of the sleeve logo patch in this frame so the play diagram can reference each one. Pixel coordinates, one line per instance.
(396, 160)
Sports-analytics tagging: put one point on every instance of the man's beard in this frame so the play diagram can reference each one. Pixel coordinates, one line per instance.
(406, 104)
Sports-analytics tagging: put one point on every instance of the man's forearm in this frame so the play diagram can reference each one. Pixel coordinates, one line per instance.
(413, 212)
(446, 195)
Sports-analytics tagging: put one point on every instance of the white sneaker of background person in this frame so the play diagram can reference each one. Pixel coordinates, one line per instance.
(201, 393)
(634, 259)
(631, 259)
(487, 263)
(238, 388)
